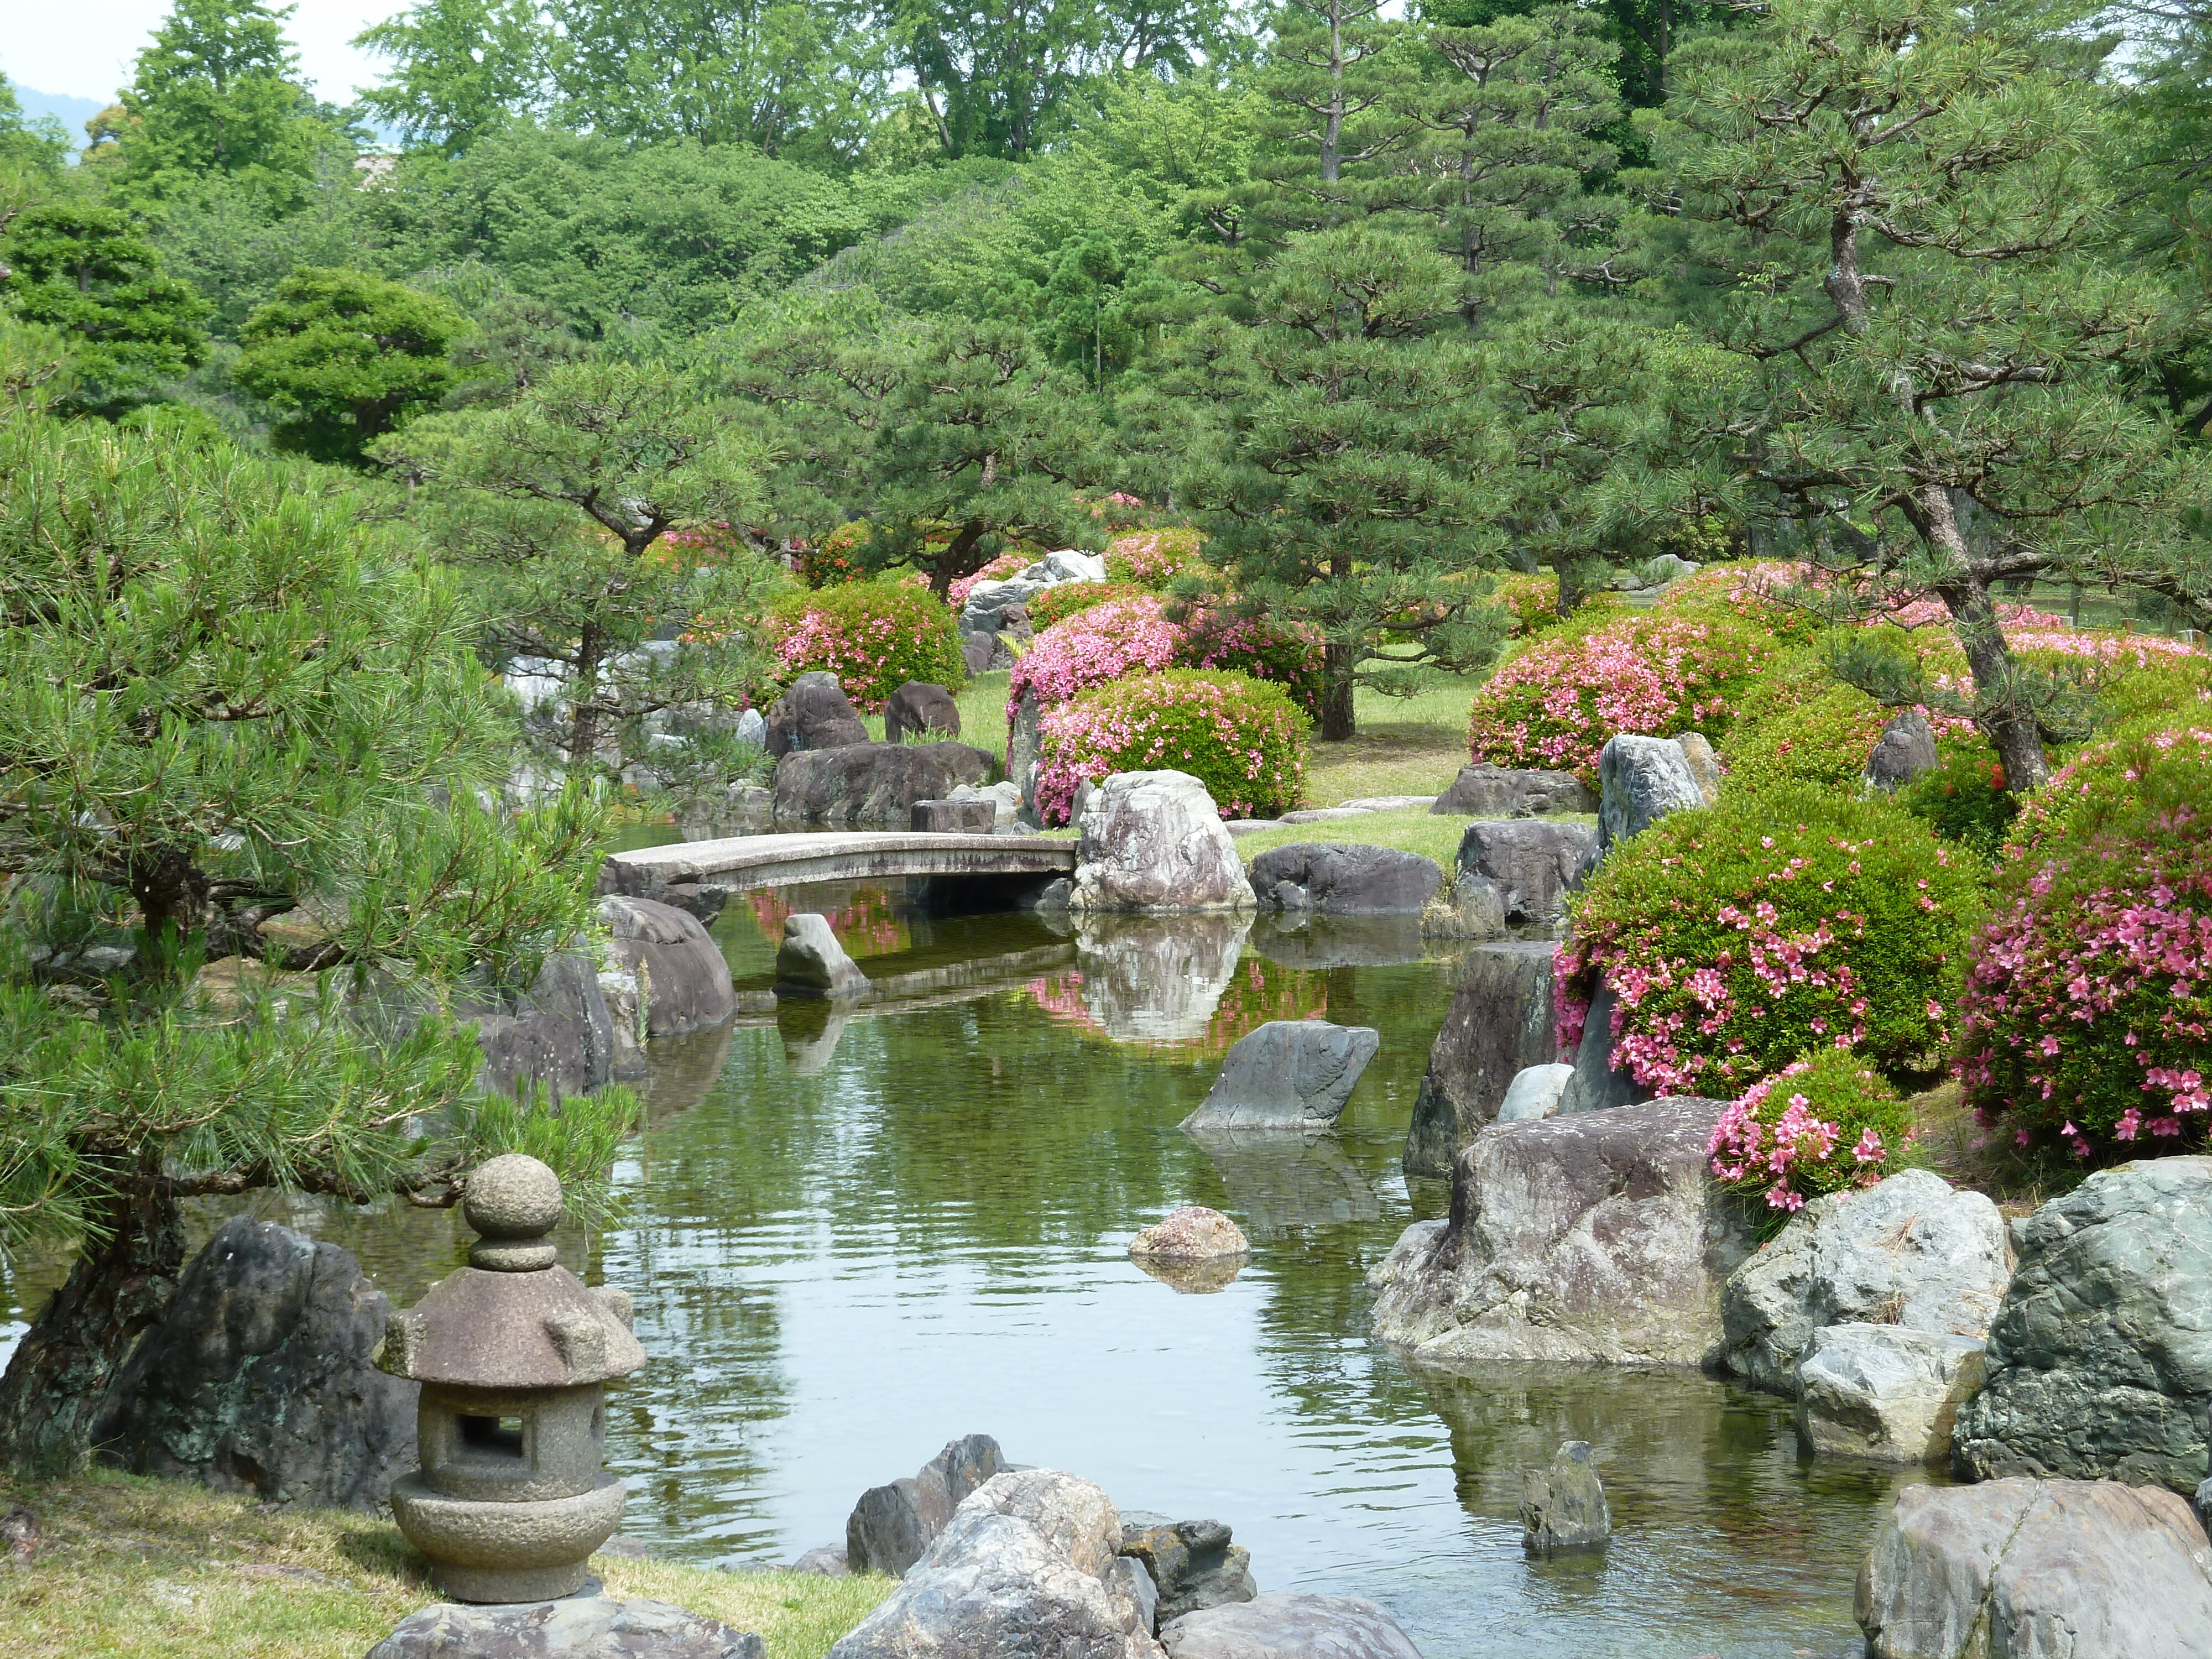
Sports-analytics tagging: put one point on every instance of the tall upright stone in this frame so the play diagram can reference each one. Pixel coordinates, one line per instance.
(1500, 1023)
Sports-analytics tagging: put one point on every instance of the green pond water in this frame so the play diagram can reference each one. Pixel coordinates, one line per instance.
(851, 1241)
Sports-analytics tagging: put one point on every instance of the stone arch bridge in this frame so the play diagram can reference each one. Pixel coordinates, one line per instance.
(978, 872)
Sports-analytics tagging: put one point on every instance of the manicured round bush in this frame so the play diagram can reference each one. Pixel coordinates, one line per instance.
(2087, 1019)
(1153, 558)
(1096, 645)
(1245, 739)
(832, 561)
(1964, 797)
(1288, 655)
(1737, 939)
(1058, 603)
(1745, 592)
(874, 636)
(1820, 1124)
(1824, 740)
(1556, 704)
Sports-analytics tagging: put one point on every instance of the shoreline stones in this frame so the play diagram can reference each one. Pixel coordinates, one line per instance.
(1290, 1074)
(2051, 1569)
(1193, 1564)
(860, 784)
(575, 1628)
(683, 977)
(1498, 1025)
(259, 1377)
(1885, 1394)
(1516, 873)
(1911, 1251)
(1290, 1624)
(1599, 1238)
(893, 1526)
(2100, 1360)
(1343, 880)
(1563, 1507)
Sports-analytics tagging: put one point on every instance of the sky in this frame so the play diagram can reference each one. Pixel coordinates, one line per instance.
(85, 48)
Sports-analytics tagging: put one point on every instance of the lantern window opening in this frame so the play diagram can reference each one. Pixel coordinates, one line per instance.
(488, 1438)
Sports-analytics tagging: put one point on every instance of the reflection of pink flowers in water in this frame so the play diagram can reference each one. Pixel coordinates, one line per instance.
(1258, 991)
(867, 925)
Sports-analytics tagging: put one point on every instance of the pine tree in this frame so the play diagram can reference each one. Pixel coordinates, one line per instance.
(223, 699)
(1894, 214)
(91, 273)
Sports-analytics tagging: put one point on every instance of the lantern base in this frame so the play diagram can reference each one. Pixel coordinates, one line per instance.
(483, 1551)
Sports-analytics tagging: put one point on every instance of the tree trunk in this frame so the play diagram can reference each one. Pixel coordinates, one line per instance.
(584, 717)
(59, 1373)
(1336, 709)
(2012, 729)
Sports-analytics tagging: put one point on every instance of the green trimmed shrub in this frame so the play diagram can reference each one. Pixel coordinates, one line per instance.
(2086, 1033)
(1823, 740)
(1244, 739)
(874, 636)
(1737, 939)
(1153, 558)
(1964, 797)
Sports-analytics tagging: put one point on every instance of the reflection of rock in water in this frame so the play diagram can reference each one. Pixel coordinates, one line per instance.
(1684, 1456)
(1276, 1181)
(1157, 979)
(1306, 940)
(810, 1029)
(1193, 1278)
(679, 1071)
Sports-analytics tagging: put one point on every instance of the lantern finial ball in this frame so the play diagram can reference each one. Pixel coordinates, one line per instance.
(512, 1196)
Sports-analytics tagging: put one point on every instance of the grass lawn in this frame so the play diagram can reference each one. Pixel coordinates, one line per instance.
(163, 1570)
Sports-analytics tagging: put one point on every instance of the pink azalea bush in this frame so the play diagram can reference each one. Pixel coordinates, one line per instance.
(1133, 635)
(874, 636)
(1245, 739)
(1152, 558)
(2087, 1021)
(1772, 925)
(1822, 1123)
(1057, 604)
(1556, 704)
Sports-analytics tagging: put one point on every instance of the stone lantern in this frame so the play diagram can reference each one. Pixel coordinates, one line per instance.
(514, 1354)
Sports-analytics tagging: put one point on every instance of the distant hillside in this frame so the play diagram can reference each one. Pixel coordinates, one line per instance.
(71, 113)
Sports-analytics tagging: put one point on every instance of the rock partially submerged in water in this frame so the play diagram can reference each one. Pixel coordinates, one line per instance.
(1027, 1564)
(2039, 1569)
(1294, 1074)
(1152, 843)
(1911, 1251)
(1563, 1506)
(1499, 1025)
(1884, 1393)
(1598, 1237)
(1193, 1233)
(2101, 1355)
(682, 972)
(811, 964)
(1344, 879)
(1291, 1625)
(1195, 1565)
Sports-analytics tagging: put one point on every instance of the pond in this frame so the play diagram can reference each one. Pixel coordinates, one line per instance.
(851, 1241)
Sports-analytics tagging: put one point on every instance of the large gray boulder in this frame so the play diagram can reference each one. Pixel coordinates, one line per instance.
(682, 974)
(811, 964)
(1291, 1625)
(1499, 1023)
(2037, 1570)
(984, 611)
(1911, 1251)
(1597, 1238)
(1905, 749)
(1028, 1564)
(892, 1526)
(1194, 1565)
(1705, 764)
(258, 1378)
(1344, 880)
(1598, 1084)
(1292, 1074)
(1886, 1394)
(1530, 866)
(1640, 780)
(560, 1032)
(1152, 843)
(916, 711)
(814, 713)
(871, 785)
(577, 1627)
(1484, 791)
(2101, 1355)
